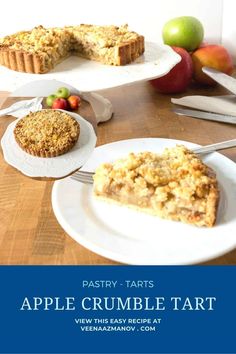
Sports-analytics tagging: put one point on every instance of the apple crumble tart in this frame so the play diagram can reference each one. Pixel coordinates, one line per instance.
(40, 50)
(47, 133)
(175, 185)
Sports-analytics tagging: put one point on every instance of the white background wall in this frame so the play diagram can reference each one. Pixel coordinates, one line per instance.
(146, 16)
(229, 26)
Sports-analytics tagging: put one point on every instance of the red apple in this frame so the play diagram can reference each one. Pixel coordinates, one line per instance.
(214, 56)
(74, 102)
(178, 79)
(60, 103)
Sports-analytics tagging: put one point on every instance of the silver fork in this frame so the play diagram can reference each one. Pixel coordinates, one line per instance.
(87, 177)
(83, 177)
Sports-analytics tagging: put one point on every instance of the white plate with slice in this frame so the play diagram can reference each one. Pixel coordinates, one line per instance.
(132, 237)
(87, 75)
(53, 167)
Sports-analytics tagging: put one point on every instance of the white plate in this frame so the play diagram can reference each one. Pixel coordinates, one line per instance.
(87, 75)
(54, 167)
(132, 237)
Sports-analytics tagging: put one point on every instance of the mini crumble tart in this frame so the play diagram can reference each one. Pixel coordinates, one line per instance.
(47, 133)
(176, 185)
(41, 49)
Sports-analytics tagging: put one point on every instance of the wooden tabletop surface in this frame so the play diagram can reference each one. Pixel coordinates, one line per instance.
(29, 231)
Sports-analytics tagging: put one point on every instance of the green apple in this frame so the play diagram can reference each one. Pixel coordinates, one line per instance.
(63, 92)
(50, 99)
(186, 32)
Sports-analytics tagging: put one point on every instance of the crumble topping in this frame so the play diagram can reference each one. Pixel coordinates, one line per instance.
(102, 36)
(47, 132)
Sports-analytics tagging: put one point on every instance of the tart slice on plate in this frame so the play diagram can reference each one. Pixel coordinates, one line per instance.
(176, 185)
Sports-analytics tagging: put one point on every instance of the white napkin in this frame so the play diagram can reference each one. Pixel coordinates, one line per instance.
(101, 106)
(216, 104)
(22, 108)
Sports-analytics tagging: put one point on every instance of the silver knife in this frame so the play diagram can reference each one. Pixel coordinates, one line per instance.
(224, 80)
(205, 115)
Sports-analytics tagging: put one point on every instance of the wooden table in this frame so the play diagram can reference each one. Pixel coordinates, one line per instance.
(29, 232)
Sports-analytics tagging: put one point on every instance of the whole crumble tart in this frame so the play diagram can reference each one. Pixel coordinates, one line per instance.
(175, 185)
(41, 49)
(47, 133)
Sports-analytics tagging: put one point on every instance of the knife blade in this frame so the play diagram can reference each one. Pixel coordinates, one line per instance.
(205, 115)
(224, 80)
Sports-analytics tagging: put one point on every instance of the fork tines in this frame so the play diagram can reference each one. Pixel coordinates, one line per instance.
(83, 177)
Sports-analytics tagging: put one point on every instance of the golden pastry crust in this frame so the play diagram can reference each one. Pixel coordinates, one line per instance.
(47, 133)
(176, 185)
(40, 50)
(35, 51)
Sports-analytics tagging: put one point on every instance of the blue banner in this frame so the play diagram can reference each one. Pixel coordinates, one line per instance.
(117, 309)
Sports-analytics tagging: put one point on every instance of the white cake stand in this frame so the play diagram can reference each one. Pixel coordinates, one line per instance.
(83, 76)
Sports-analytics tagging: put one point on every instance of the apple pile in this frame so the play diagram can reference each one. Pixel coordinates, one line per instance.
(185, 35)
(63, 99)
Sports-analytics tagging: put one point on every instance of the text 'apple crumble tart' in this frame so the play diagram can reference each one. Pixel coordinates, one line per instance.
(175, 185)
(47, 133)
(40, 50)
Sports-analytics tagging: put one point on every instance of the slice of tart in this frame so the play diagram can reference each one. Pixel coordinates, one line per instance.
(110, 45)
(176, 185)
(47, 133)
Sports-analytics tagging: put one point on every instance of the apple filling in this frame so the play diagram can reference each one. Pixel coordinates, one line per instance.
(176, 185)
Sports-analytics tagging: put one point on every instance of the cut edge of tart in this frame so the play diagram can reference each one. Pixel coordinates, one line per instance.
(47, 133)
(40, 50)
(175, 185)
